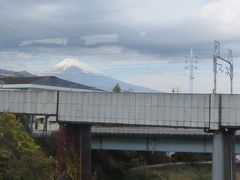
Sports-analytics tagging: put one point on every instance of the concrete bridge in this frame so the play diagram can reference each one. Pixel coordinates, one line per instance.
(154, 139)
(76, 112)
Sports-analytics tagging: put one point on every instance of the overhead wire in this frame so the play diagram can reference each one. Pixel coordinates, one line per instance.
(40, 29)
(20, 29)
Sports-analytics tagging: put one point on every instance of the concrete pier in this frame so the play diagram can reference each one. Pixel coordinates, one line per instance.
(74, 151)
(223, 156)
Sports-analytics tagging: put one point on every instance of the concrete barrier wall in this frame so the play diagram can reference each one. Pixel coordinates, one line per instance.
(150, 109)
(30, 102)
(175, 110)
(230, 110)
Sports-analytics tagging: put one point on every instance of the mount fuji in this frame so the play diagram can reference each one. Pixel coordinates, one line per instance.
(79, 72)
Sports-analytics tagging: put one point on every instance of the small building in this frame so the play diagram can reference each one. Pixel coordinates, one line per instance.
(42, 83)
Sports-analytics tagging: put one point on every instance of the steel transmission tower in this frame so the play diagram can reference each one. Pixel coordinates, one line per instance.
(191, 65)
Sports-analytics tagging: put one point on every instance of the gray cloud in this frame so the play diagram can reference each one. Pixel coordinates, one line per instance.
(169, 28)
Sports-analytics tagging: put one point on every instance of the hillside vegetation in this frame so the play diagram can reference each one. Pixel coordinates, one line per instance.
(20, 157)
(24, 158)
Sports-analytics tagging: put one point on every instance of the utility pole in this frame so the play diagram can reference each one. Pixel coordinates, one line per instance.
(218, 67)
(230, 71)
(223, 141)
(192, 65)
(175, 90)
(216, 53)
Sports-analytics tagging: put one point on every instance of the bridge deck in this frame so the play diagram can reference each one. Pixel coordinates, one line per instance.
(203, 111)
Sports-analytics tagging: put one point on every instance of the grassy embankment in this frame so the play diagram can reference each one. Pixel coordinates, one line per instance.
(179, 172)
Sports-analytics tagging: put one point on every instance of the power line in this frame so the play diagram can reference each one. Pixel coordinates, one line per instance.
(41, 28)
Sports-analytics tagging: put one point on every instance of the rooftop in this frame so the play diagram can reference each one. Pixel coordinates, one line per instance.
(43, 80)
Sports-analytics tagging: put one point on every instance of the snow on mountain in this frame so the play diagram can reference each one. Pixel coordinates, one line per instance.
(69, 63)
(79, 72)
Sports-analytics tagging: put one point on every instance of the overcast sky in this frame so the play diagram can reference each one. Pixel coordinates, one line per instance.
(140, 41)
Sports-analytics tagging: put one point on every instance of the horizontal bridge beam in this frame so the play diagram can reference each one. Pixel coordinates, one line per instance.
(163, 143)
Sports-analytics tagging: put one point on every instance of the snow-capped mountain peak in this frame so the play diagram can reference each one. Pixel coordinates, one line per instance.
(79, 72)
(72, 63)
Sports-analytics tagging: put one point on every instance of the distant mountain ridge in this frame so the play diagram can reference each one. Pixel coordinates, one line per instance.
(9, 73)
(79, 72)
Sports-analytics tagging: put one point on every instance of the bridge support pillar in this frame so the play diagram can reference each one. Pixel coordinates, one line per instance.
(31, 123)
(223, 156)
(45, 125)
(74, 151)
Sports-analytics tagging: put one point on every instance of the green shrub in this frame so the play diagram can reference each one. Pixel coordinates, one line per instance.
(20, 157)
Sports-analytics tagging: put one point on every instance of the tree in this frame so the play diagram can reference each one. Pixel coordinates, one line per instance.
(116, 88)
(20, 156)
